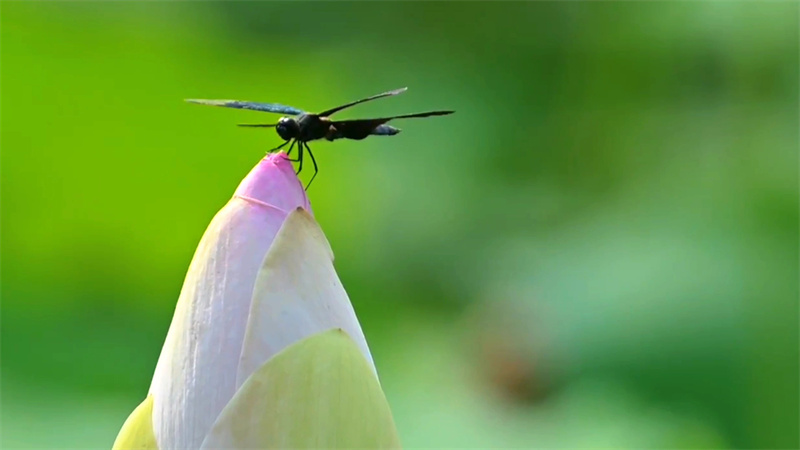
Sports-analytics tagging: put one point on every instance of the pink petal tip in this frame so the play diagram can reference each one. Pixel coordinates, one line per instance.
(273, 183)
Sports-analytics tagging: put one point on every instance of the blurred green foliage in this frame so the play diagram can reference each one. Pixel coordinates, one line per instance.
(599, 249)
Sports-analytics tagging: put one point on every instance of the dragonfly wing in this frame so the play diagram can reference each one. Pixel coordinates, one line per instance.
(238, 104)
(339, 108)
(422, 114)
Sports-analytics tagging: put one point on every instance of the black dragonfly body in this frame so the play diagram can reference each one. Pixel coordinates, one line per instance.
(303, 127)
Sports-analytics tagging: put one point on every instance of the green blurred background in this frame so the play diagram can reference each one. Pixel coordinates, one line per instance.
(599, 249)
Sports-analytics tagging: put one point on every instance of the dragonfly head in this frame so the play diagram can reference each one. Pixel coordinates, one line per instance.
(287, 128)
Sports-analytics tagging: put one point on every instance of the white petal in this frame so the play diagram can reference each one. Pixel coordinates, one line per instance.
(196, 373)
(297, 294)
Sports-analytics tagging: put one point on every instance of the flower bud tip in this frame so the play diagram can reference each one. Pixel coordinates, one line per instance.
(273, 182)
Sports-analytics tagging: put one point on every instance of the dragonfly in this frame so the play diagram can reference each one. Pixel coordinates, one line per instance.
(300, 127)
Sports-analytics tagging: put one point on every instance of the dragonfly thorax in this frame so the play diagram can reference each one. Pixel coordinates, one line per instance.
(287, 128)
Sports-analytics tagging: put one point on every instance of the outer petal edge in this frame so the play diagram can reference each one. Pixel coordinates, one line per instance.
(297, 293)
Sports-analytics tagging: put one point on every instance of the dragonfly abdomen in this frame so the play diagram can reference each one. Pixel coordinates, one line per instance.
(357, 135)
(385, 130)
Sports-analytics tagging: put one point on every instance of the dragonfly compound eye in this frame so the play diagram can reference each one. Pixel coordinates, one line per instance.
(287, 128)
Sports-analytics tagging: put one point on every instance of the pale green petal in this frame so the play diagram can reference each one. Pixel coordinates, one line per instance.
(297, 293)
(137, 431)
(317, 393)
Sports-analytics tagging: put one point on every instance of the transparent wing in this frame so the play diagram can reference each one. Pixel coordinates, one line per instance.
(238, 104)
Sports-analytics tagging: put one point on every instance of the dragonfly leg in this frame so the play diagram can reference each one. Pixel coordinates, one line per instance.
(279, 147)
(314, 161)
(299, 157)
(290, 152)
